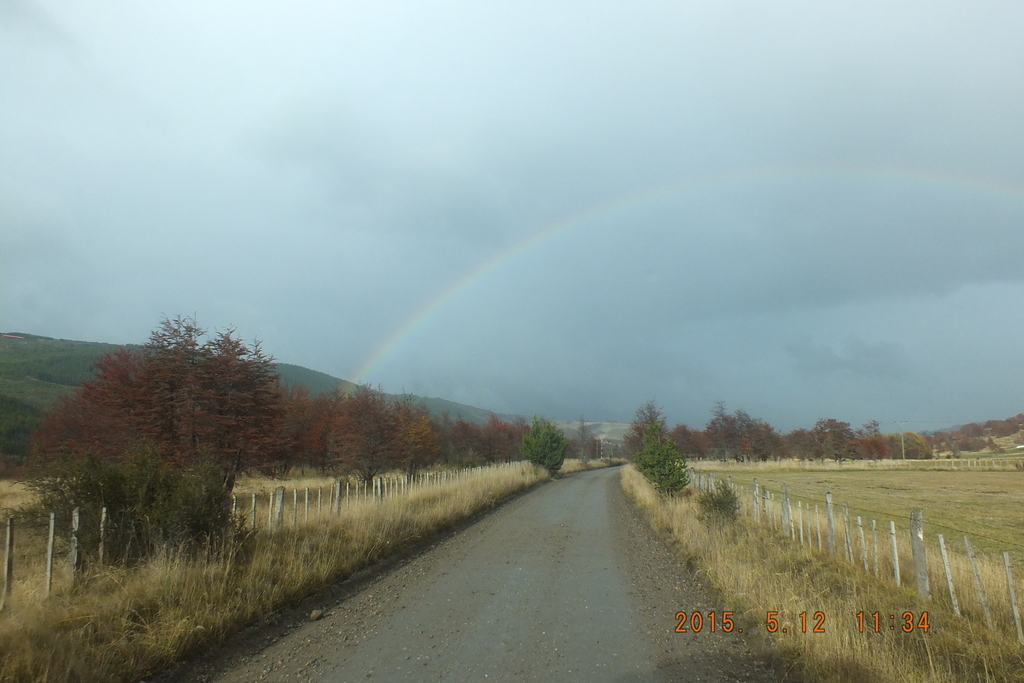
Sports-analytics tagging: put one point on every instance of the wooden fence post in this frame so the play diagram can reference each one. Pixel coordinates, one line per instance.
(307, 504)
(279, 508)
(918, 551)
(949, 575)
(253, 523)
(295, 507)
(103, 533)
(76, 550)
(895, 553)
(846, 527)
(49, 554)
(874, 540)
(807, 523)
(8, 565)
(784, 504)
(1013, 597)
(757, 503)
(863, 545)
(76, 557)
(319, 501)
(831, 523)
(817, 523)
(978, 585)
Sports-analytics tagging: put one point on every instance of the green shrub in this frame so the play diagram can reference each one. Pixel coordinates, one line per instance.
(150, 503)
(659, 460)
(544, 445)
(721, 504)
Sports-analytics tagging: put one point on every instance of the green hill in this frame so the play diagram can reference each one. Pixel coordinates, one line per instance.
(35, 371)
(314, 381)
(320, 382)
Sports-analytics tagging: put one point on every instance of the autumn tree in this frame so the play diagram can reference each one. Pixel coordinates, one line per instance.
(503, 439)
(723, 432)
(159, 436)
(417, 444)
(870, 444)
(691, 443)
(914, 446)
(833, 439)
(188, 398)
(800, 443)
(368, 433)
(648, 415)
(760, 440)
(466, 438)
(741, 437)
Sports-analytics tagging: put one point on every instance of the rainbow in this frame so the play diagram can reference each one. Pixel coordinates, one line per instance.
(893, 174)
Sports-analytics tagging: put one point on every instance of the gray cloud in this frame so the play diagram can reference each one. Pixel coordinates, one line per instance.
(873, 360)
(808, 209)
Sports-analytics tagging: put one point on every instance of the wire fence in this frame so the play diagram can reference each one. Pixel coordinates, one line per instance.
(48, 554)
(976, 586)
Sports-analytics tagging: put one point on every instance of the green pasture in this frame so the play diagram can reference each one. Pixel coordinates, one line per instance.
(988, 507)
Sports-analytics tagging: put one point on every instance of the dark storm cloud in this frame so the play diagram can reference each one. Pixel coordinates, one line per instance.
(881, 359)
(808, 208)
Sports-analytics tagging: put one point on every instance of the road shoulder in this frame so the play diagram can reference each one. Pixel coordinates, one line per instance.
(663, 584)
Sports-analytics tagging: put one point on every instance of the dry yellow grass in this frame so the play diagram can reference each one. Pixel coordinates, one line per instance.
(121, 625)
(572, 465)
(964, 464)
(986, 506)
(759, 570)
(13, 495)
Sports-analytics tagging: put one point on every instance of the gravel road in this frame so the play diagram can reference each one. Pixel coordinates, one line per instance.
(565, 583)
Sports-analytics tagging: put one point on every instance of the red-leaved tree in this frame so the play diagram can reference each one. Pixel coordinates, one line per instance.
(185, 397)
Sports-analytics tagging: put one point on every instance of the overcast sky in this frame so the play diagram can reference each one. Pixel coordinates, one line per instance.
(803, 209)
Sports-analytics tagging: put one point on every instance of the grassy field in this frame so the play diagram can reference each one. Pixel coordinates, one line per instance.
(758, 569)
(987, 506)
(123, 625)
(13, 494)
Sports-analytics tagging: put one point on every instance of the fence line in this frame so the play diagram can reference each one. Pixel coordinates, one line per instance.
(377, 490)
(990, 464)
(776, 516)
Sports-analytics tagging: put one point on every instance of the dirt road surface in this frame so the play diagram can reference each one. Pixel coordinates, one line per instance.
(565, 583)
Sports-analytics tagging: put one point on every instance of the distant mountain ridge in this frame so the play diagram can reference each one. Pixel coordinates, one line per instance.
(35, 371)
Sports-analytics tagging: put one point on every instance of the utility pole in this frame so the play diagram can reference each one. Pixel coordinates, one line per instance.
(903, 446)
(581, 429)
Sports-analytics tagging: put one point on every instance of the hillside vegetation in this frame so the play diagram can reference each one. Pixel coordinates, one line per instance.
(35, 371)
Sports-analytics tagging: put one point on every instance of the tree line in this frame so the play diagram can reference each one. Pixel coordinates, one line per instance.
(160, 434)
(973, 437)
(738, 436)
(192, 398)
